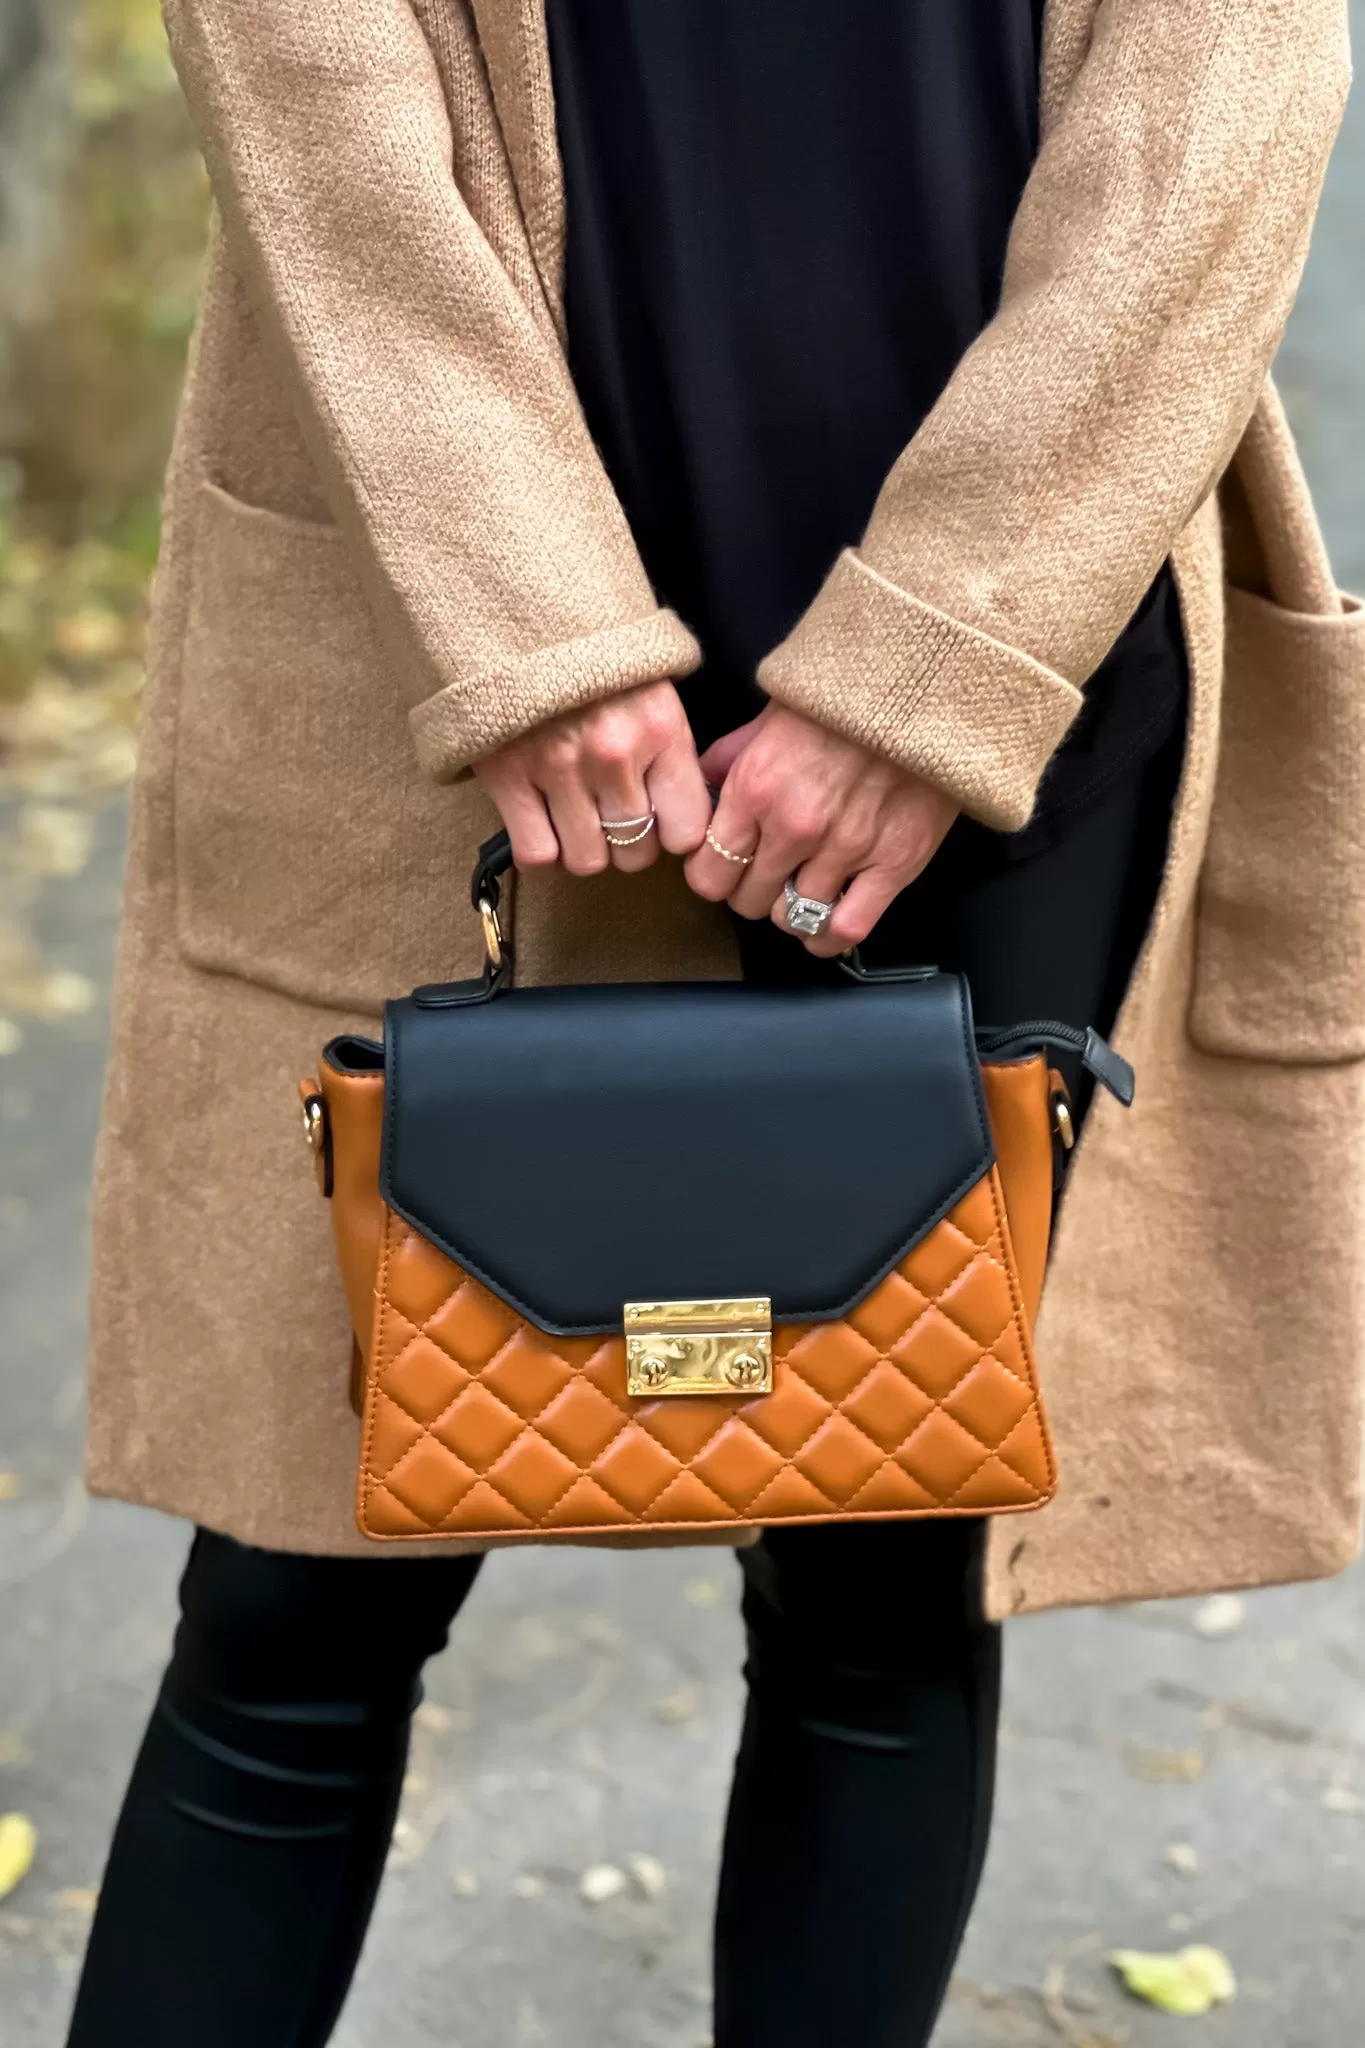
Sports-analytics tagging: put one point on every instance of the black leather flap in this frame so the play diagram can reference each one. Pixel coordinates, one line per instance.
(579, 1148)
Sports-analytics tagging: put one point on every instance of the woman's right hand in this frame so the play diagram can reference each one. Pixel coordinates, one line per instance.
(617, 760)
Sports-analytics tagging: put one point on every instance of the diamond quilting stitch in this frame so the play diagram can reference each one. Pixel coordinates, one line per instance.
(737, 1464)
(937, 1260)
(532, 1475)
(580, 1422)
(1029, 1432)
(392, 1434)
(887, 1406)
(941, 1456)
(833, 1359)
(429, 1481)
(477, 1428)
(791, 1414)
(839, 1459)
(423, 1378)
(635, 1470)
(990, 1402)
(472, 1325)
(936, 1353)
(979, 1300)
(527, 1374)
(418, 1278)
(888, 1312)
(906, 1402)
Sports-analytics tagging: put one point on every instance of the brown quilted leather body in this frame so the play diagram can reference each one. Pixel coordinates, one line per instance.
(923, 1401)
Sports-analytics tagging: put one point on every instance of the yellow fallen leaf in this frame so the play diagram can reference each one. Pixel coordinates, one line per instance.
(1189, 1983)
(1166, 1766)
(18, 1840)
(10, 1487)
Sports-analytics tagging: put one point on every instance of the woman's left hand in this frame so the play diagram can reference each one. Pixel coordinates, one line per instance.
(852, 828)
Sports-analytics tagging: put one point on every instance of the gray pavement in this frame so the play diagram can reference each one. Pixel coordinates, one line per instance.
(1161, 1783)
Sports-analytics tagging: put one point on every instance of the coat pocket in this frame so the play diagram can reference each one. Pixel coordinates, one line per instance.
(1280, 959)
(312, 855)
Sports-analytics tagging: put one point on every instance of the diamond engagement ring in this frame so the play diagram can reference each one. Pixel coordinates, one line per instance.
(806, 915)
(627, 831)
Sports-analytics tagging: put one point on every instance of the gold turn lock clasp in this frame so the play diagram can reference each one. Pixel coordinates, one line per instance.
(699, 1347)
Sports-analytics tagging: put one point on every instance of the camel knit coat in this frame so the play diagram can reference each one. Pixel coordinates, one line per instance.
(391, 545)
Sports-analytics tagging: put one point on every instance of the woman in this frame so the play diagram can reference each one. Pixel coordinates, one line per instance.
(531, 332)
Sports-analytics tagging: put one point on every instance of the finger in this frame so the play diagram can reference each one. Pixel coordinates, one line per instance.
(868, 897)
(788, 841)
(522, 810)
(677, 790)
(721, 755)
(624, 808)
(827, 873)
(723, 859)
(578, 828)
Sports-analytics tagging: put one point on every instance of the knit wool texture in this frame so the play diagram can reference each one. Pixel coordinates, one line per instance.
(390, 546)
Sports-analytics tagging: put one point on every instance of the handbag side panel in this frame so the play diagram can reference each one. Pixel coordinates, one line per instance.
(352, 1141)
(1019, 1105)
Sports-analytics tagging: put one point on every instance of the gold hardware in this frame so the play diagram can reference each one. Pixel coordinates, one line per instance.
(699, 1347)
(492, 933)
(1063, 1123)
(314, 1123)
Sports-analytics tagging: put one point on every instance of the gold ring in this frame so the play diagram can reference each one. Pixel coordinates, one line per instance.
(492, 933)
(740, 860)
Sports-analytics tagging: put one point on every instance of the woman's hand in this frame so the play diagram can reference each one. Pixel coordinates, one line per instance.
(617, 760)
(854, 829)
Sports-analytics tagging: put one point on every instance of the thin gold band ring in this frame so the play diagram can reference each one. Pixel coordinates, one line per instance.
(739, 860)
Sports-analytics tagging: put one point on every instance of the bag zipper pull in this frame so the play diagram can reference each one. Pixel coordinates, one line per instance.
(1097, 1056)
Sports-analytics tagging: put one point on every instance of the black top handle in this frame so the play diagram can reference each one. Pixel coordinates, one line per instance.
(1016, 1041)
(495, 858)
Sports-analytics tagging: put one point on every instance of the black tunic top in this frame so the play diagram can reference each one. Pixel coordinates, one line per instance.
(787, 222)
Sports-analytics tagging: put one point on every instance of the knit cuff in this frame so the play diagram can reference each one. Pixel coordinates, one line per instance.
(974, 717)
(493, 706)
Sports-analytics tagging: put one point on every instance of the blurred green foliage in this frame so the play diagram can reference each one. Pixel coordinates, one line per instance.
(97, 375)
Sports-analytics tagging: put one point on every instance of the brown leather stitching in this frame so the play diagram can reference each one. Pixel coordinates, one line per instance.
(961, 1251)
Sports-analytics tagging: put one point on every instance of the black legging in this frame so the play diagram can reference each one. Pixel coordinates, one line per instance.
(256, 1824)
(252, 1838)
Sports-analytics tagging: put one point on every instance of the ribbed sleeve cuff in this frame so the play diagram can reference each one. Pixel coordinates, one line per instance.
(490, 708)
(972, 716)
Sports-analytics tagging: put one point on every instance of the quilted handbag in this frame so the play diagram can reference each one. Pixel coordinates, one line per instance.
(692, 1257)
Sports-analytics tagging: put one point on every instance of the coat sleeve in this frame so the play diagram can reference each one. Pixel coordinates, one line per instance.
(1151, 268)
(435, 399)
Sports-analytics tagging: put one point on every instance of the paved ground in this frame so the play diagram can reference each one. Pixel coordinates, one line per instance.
(588, 1709)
